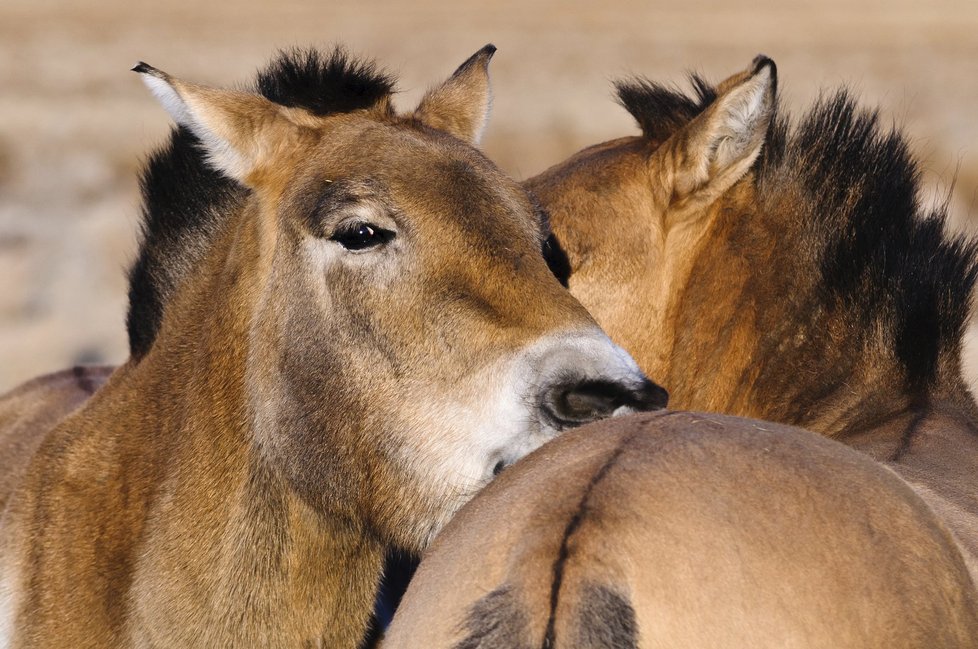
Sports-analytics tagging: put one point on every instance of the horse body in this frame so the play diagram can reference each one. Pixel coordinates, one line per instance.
(937, 454)
(312, 370)
(691, 530)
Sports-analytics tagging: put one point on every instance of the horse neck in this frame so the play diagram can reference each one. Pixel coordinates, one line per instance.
(755, 337)
(228, 534)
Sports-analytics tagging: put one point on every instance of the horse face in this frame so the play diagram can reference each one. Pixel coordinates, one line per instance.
(409, 340)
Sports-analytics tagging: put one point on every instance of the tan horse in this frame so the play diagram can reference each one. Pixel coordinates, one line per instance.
(786, 274)
(342, 327)
(800, 286)
(696, 531)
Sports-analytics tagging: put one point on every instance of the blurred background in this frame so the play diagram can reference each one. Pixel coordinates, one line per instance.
(75, 124)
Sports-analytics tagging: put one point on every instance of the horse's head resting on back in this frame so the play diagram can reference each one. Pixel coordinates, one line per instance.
(405, 337)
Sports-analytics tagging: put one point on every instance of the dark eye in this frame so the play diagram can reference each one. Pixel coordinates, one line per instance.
(557, 260)
(360, 236)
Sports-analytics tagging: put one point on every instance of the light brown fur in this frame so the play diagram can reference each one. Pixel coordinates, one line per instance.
(691, 530)
(32, 409)
(689, 294)
(712, 531)
(303, 405)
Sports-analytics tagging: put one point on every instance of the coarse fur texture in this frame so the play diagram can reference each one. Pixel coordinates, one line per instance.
(184, 198)
(496, 620)
(888, 267)
(809, 287)
(766, 270)
(320, 377)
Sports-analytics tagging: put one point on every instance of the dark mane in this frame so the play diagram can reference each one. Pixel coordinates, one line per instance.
(662, 110)
(183, 198)
(881, 260)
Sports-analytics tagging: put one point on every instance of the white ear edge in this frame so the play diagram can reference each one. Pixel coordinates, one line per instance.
(480, 130)
(746, 110)
(168, 97)
(220, 154)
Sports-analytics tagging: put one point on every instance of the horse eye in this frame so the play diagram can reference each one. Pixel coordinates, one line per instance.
(360, 236)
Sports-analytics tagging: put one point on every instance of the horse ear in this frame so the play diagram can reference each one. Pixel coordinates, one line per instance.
(718, 147)
(234, 127)
(460, 105)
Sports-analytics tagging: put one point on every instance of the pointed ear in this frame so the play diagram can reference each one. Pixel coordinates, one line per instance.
(718, 147)
(460, 106)
(235, 128)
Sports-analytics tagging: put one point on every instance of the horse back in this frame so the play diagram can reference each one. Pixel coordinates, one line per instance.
(31, 410)
(692, 530)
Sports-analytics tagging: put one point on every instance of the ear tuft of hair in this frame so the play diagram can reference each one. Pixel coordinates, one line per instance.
(145, 68)
(761, 61)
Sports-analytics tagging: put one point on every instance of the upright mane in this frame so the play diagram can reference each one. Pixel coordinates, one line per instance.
(879, 257)
(184, 198)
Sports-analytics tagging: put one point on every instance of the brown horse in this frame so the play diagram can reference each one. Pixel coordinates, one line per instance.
(786, 274)
(342, 327)
(780, 275)
(691, 530)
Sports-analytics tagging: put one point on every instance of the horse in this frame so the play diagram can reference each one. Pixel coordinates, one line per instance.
(341, 327)
(696, 530)
(781, 273)
(762, 272)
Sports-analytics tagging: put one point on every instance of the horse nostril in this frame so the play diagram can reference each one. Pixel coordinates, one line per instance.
(574, 403)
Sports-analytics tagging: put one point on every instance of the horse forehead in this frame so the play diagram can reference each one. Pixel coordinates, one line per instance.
(431, 174)
(489, 212)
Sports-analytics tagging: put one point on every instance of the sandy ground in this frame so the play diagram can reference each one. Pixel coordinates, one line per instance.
(75, 124)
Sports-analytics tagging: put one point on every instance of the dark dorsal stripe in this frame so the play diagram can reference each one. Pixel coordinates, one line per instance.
(184, 200)
(573, 525)
(883, 262)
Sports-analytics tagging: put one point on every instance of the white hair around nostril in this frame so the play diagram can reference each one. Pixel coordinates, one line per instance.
(584, 376)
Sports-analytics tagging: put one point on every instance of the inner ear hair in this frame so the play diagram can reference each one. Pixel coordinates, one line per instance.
(719, 146)
(234, 127)
(745, 115)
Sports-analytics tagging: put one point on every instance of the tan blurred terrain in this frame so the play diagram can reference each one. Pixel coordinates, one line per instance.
(74, 123)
